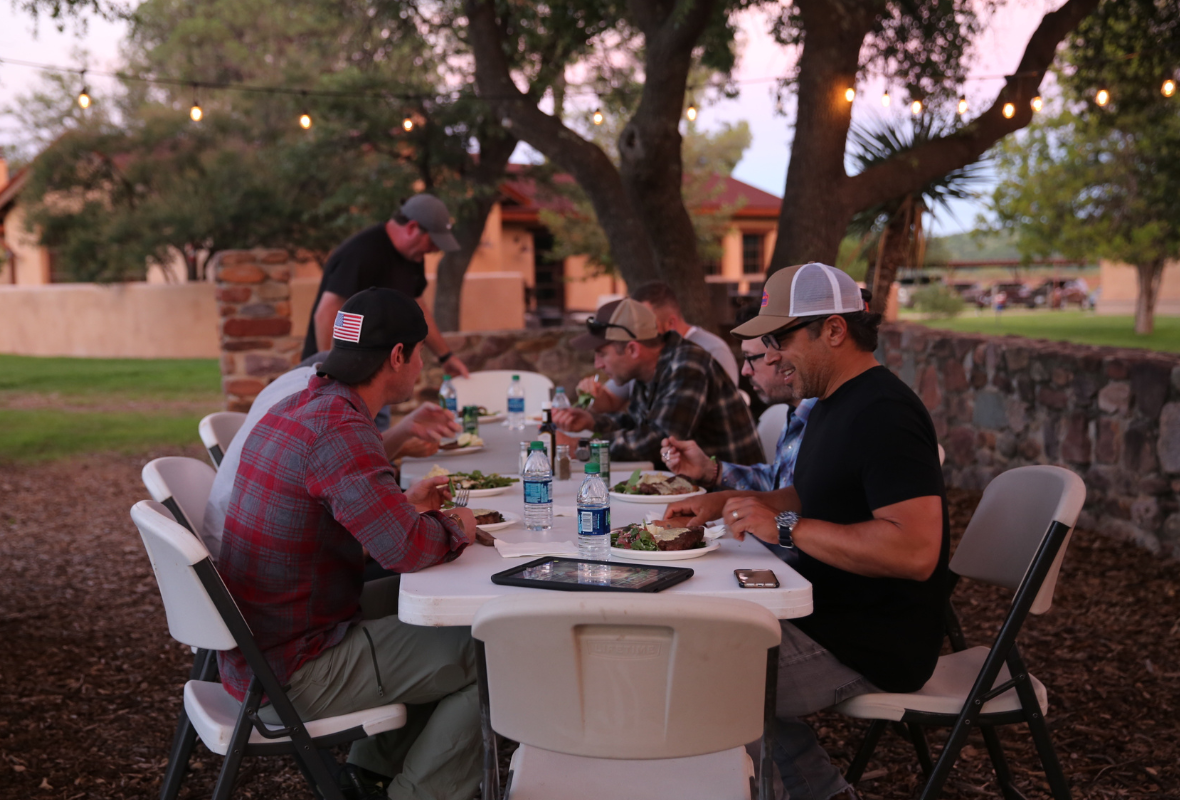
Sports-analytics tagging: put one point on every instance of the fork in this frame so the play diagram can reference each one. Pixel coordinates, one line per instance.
(460, 497)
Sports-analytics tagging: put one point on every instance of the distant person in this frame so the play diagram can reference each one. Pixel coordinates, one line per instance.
(389, 255)
(680, 390)
(659, 297)
(999, 302)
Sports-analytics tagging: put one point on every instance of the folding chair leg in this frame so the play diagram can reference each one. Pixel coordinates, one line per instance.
(867, 747)
(490, 786)
(185, 738)
(917, 735)
(946, 760)
(1000, 763)
(1037, 727)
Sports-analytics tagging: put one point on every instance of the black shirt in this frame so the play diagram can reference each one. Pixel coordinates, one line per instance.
(366, 259)
(872, 444)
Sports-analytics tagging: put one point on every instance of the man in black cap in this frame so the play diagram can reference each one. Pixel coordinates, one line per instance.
(314, 490)
(387, 255)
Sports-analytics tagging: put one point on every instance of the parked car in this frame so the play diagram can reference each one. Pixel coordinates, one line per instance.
(907, 284)
(1017, 295)
(970, 292)
(1058, 293)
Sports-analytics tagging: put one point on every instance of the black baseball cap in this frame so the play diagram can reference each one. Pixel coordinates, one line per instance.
(432, 216)
(367, 327)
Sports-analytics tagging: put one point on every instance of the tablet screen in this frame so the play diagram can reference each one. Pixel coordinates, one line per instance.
(620, 576)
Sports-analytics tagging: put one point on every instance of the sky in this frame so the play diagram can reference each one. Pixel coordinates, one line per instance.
(764, 164)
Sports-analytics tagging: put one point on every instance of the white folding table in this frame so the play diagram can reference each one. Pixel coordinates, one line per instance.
(451, 593)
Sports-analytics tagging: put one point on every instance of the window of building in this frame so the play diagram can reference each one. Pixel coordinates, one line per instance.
(753, 260)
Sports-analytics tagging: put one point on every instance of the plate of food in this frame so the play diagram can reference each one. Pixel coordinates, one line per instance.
(492, 520)
(465, 443)
(663, 540)
(480, 484)
(491, 416)
(654, 486)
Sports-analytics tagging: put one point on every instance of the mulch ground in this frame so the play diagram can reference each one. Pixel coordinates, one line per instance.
(90, 681)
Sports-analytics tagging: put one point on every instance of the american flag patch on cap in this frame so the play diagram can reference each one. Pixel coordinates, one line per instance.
(348, 327)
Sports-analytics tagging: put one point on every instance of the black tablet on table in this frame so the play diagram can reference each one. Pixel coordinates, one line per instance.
(578, 575)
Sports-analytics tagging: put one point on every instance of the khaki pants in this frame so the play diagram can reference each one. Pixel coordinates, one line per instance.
(438, 755)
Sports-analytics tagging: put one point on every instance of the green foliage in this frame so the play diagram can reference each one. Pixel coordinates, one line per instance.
(128, 378)
(45, 434)
(1081, 327)
(853, 257)
(938, 300)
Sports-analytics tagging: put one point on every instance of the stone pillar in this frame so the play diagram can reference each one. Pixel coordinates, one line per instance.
(254, 309)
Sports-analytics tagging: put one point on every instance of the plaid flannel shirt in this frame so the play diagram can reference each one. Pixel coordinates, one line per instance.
(313, 487)
(690, 397)
(781, 472)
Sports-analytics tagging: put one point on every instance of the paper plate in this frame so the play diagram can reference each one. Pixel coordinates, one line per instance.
(661, 555)
(650, 499)
(509, 520)
(459, 451)
(492, 492)
(499, 416)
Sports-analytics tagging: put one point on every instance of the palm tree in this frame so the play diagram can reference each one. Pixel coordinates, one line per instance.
(895, 227)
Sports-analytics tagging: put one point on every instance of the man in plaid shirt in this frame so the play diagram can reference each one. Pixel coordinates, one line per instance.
(314, 490)
(680, 391)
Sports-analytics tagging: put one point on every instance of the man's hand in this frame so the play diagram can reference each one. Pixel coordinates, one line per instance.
(605, 402)
(416, 448)
(466, 518)
(429, 494)
(455, 367)
(751, 515)
(573, 419)
(685, 457)
(703, 508)
(430, 421)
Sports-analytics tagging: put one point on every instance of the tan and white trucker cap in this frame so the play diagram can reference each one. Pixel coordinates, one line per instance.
(623, 320)
(808, 290)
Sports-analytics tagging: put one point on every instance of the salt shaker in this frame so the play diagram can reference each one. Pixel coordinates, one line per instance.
(561, 469)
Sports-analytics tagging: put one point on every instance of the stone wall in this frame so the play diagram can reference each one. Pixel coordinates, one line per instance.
(1111, 415)
(253, 292)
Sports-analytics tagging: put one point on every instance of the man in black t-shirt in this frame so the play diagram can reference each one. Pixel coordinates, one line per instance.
(387, 256)
(866, 517)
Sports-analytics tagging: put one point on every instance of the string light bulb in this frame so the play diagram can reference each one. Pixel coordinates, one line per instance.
(916, 107)
(1037, 104)
(598, 118)
(1102, 97)
(885, 99)
(962, 108)
(407, 124)
(84, 95)
(195, 113)
(691, 111)
(305, 121)
(850, 94)
(1009, 110)
(1169, 88)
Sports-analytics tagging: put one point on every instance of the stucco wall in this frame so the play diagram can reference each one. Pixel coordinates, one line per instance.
(1120, 287)
(31, 260)
(126, 320)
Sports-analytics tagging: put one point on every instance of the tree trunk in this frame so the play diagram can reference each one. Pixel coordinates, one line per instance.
(585, 161)
(495, 148)
(820, 199)
(1150, 275)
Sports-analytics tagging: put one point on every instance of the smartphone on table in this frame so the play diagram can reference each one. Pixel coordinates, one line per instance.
(756, 578)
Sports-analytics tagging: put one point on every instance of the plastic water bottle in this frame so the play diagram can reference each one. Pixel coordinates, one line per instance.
(538, 490)
(559, 399)
(515, 405)
(448, 398)
(593, 517)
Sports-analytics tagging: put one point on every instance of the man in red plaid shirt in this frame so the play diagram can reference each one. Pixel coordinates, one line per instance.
(314, 491)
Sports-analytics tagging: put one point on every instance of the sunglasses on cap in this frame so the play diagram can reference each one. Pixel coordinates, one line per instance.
(599, 329)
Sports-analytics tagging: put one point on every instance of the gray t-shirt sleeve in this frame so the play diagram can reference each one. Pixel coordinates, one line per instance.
(715, 346)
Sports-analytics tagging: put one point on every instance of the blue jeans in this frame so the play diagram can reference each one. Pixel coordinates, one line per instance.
(810, 679)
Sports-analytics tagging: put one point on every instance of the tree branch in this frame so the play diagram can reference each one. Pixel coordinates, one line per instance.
(909, 171)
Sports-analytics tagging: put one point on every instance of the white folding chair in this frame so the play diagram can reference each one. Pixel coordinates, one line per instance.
(182, 485)
(202, 613)
(770, 427)
(626, 696)
(217, 430)
(1016, 539)
(490, 389)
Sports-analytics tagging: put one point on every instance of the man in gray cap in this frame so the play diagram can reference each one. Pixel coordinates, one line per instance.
(389, 256)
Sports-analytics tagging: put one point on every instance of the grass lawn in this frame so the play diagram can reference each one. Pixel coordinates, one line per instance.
(1065, 326)
(56, 407)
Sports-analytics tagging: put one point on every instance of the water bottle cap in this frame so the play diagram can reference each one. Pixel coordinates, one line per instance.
(537, 446)
(592, 468)
(560, 390)
(515, 377)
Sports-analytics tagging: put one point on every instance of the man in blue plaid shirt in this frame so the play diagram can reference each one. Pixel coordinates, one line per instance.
(680, 390)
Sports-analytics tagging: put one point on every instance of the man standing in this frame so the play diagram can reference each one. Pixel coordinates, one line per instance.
(679, 391)
(389, 256)
(866, 515)
(314, 490)
(659, 297)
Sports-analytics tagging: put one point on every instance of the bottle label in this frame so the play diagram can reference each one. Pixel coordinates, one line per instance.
(593, 521)
(536, 492)
(515, 405)
(451, 404)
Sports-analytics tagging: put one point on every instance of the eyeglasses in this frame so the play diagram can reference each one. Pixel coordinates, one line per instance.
(773, 341)
(597, 328)
(751, 359)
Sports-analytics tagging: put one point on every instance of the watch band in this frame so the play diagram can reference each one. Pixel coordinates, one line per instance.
(786, 522)
(445, 357)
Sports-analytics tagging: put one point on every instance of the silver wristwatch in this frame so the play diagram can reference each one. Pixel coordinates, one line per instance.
(786, 522)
